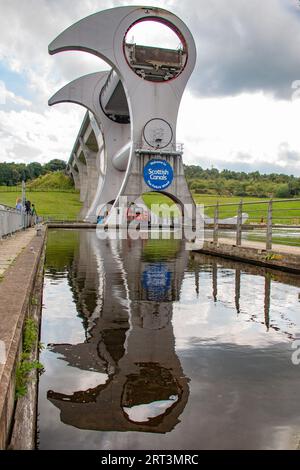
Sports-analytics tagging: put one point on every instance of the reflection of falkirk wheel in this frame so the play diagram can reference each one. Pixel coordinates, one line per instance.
(132, 342)
(132, 110)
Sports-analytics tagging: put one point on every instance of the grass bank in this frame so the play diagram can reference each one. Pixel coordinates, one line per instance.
(59, 205)
(66, 205)
(287, 212)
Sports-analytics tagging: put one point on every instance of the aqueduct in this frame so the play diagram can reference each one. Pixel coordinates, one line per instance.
(126, 145)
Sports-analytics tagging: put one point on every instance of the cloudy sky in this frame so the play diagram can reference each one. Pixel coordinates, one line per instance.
(241, 109)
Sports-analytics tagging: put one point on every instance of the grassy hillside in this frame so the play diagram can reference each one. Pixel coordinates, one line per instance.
(65, 204)
(53, 195)
(56, 180)
(156, 198)
(60, 205)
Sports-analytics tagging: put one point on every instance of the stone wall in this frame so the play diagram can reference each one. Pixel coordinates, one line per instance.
(276, 260)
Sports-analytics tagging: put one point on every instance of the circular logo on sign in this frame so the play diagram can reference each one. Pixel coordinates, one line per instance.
(158, 174)
(157, 133)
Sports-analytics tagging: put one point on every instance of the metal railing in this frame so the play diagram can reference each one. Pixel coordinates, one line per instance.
(18, 189)
(267, 221)
(143, 147)
(61, 218)
(12, 220)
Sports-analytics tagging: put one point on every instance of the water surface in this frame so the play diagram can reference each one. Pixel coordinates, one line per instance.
(151, 347)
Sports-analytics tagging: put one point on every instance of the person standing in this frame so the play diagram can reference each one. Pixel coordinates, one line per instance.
(28, 213)
(33, 214)
(19, 205)
(27, 207)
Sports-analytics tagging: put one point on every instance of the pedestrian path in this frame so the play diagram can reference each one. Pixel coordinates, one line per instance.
(11, 247)
(276, 248)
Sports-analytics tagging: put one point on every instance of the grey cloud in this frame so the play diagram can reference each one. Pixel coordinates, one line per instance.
(262, 167)
(247, 163)
(244, 157)
(244, 46)
(287, 155)
(25, 152)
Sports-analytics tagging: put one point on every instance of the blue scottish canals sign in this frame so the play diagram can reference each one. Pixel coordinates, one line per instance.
(158, 174)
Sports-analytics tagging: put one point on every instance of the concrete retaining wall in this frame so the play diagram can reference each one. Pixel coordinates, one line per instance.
(15, 294)
(276, 260)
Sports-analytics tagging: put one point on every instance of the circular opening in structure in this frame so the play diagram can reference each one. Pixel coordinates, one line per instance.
(149, 394)
(155, 49)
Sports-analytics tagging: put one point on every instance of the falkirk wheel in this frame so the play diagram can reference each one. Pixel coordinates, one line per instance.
(127, 144)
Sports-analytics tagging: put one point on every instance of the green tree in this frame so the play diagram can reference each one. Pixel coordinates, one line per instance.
(35, 170)
(55, 165)
(282, 191)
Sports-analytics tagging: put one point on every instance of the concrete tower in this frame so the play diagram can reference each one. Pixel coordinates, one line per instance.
(127, 143)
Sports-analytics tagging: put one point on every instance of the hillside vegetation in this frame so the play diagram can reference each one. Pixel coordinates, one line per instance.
(53, 192)
(200, 181)
(59, 205)
(12, 174)
(57, 180)
(235, 183)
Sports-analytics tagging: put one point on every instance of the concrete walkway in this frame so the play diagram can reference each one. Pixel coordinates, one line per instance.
(283, 257)
(20, 257)
(291, 250)
(12, 246)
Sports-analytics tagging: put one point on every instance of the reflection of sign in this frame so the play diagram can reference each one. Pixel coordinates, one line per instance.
(156, 281)
(158, 174)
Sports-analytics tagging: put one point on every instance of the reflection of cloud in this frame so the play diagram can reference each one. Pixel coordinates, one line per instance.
(144, 412)
(61, 323)
(205, 322)
(67, 380)
(244, 398)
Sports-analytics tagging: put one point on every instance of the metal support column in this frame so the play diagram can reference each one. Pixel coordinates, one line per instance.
(216, 224)
(269, 226)
(239, 224)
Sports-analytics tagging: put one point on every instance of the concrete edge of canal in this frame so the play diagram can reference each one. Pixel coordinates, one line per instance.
(287, 262)
(21, 283)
